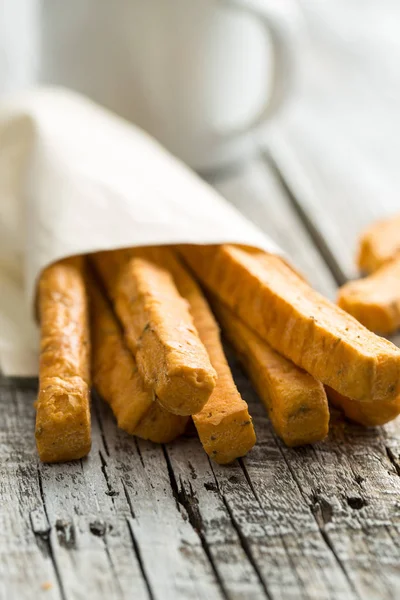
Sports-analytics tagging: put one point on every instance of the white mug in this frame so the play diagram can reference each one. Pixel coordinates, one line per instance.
(199, 75)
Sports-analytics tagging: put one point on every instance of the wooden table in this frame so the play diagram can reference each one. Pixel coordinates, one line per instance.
(136, 520)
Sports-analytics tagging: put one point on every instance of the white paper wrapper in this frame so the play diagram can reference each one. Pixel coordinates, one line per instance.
(74, 179)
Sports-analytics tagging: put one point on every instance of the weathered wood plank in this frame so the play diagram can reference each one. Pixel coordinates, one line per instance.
(354, 490)
(197, 490)
(27, 566)
(335, 505)
(172, 556)
(89, 537)
(275, 519)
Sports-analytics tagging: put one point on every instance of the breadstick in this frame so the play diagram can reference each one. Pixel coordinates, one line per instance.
(296, 402)
(369, 414)
(375, 300)
(117, 379)
(298, 322)
(379, 244)
(63, 405)
(224, 425)
(159, 329)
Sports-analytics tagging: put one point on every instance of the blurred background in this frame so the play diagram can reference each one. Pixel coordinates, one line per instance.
(337, 134)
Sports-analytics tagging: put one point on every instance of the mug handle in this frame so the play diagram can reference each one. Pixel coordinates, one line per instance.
(282, 78)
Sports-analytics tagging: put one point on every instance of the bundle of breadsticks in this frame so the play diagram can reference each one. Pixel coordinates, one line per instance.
(155, 353)
(374, 301)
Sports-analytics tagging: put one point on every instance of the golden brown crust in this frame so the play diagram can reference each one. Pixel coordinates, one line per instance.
(160, 426)
(63, 407)
(158, 328)
(224, 425)
(379, 244)
(295, 401)
(369, 414)
(63, 316)
(116, 377)
(298, 322)
(375, 300)
(63, 419)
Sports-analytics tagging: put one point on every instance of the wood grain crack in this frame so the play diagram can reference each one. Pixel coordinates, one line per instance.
(356, 502)
(242, 538)
(321, 526)
(66, 534)
(393, 460)
(110, 490)
(110, 561)
(256, 496)
(140, 561)
(189, 503)
(128, 499)
(47, 539)
(136, 545)
(321, 509)
(139, 452)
